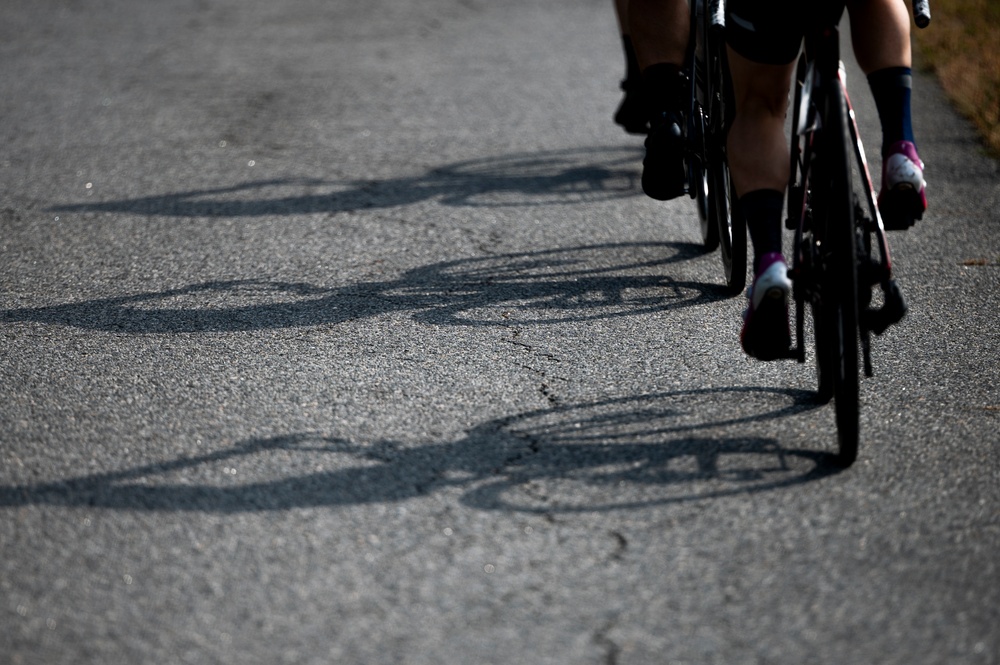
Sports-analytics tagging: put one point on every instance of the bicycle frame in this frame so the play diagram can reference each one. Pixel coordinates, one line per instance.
(871, 270)
(841, 251)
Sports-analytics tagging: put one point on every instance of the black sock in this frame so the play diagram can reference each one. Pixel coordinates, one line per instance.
(632, 72)
(666, 88)
(891, 88)
(763, 209)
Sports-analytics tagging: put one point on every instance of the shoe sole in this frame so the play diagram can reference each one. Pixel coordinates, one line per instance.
(768, 338)
(663, 172)
(662, 194)
(656, 185)
(901, 207)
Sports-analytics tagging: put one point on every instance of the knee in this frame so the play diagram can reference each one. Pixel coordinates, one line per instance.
(760, 91)
(763, 101)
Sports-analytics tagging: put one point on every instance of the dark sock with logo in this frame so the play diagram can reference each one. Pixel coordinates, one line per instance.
(892, 89)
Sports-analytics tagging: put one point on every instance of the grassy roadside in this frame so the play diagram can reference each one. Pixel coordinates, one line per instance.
(961, 48)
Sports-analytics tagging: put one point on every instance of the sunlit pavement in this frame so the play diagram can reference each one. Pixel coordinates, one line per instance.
(342, 333)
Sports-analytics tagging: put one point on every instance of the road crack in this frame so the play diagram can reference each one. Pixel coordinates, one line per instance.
(545, 387)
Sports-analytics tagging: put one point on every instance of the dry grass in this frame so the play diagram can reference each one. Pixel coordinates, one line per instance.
(961, 47)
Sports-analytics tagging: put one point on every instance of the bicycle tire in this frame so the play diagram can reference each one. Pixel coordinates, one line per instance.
(824, 357)
(837, 318)
(696, 153)
(700, 174)
(730, 225)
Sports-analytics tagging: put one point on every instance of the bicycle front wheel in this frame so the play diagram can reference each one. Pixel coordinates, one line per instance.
(837, 318)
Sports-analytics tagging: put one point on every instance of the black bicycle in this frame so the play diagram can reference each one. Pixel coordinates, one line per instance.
(708, 118)
(840, 251)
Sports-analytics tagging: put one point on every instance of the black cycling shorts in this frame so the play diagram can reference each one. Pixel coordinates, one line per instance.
(770, 31)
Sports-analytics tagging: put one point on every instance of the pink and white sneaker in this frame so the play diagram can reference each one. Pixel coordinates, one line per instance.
(765, 333)
(902, 199)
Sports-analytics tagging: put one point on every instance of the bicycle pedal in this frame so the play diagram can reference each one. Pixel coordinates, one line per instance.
(891, 312)
(793, 353)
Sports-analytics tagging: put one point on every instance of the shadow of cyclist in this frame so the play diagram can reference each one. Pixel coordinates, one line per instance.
(526, 179)
(626, 453)
(545, 286)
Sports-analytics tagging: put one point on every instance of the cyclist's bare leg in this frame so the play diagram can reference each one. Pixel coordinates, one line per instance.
(632, 113)
(758, 150)
(880, 32)
(758, 165)
(659, 31)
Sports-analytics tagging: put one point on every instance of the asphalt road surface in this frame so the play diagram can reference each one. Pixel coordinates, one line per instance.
(341, 333)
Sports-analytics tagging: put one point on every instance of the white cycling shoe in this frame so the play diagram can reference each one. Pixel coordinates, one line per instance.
(765, 333)
(903, 197)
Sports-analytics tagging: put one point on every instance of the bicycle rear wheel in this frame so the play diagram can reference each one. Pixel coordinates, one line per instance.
(699, 175)
(732, 230)
(836, 312)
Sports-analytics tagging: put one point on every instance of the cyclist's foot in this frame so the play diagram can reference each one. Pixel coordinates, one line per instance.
(765, 333)
(631, 113)
(663, 166)
(902, 199)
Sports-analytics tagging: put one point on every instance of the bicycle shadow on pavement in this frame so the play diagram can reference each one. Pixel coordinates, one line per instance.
(580, 175)
(539, 287)
(614, 454)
